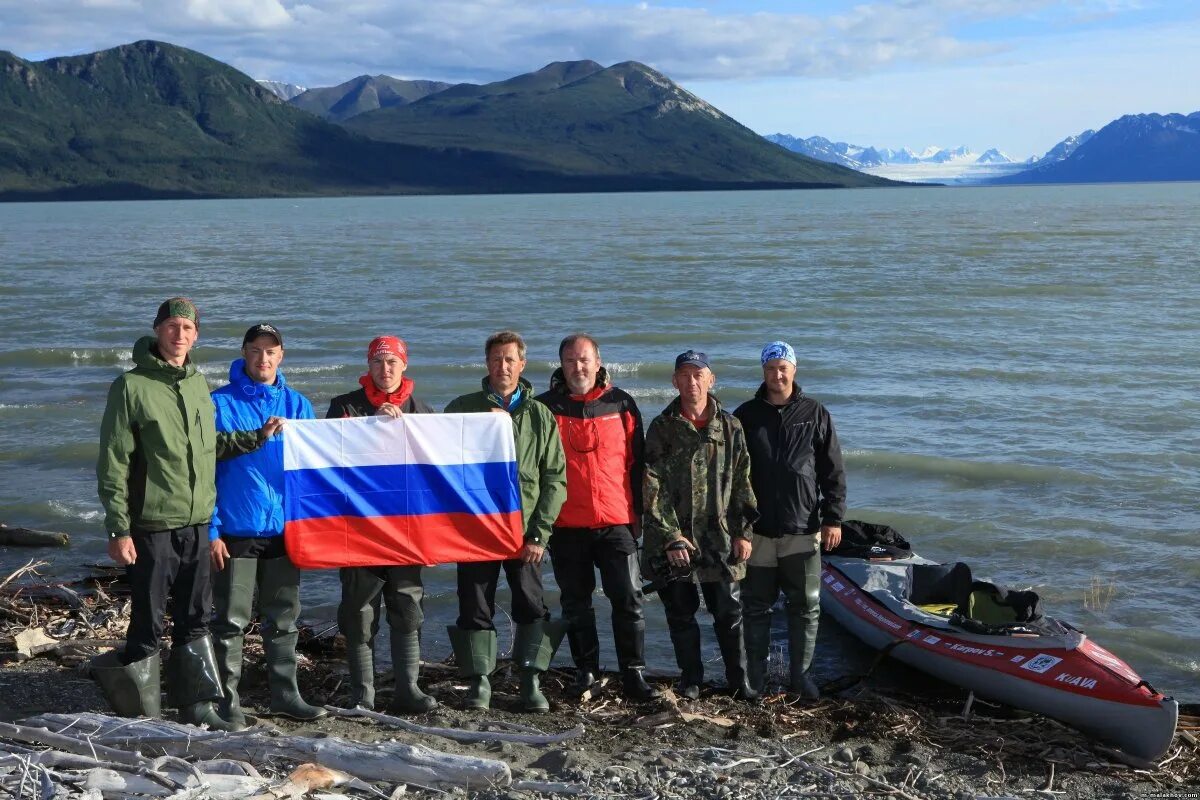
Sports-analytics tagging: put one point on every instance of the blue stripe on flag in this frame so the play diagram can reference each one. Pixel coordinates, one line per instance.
(402, 489)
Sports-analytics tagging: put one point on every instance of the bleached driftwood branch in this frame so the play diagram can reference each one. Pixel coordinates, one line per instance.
(390, 762)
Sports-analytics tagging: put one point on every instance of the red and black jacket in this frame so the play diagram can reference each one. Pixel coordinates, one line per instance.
(602, 436)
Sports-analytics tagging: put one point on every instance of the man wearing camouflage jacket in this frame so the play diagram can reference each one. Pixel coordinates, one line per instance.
(699, 516)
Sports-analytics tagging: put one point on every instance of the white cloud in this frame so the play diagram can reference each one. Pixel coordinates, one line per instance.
(1023, 102)
(237, 13)
(327, 41)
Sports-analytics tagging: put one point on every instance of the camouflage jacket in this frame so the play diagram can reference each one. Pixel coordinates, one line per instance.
(697, 486)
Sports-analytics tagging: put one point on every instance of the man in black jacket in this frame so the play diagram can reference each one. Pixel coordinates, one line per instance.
(384, 390)
(796, 470)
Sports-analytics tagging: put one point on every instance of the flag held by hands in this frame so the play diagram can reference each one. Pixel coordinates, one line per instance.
(421, 489)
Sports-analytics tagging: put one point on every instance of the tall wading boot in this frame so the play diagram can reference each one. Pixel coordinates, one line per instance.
(630, 639)
(733, 653)
(802, 591)
(279, 598)
(585, 651)
(724, 600)
(132, 690)
(628, 624)
(407, 697)
(759, 589)
(686, 642)
(233, 599)
(533, 650)
(194, 682)
(360, 661)
(475, 652)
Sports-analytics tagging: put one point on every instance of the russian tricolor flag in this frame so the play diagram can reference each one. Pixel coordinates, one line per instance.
(421, 489)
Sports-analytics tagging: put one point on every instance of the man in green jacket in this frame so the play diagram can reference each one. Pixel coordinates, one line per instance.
(699, 517)
(542, 469)
(156, 478)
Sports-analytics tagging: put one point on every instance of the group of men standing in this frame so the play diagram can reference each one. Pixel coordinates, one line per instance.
(733, 507)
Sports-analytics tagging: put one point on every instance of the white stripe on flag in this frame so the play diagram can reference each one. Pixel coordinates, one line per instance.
(441, 439)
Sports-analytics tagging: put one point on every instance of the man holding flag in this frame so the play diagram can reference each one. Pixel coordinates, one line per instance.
(541, 466)
(246, 534)
(385, 391)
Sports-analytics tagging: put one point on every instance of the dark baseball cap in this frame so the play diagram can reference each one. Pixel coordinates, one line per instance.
(262, 329)
(691, 358)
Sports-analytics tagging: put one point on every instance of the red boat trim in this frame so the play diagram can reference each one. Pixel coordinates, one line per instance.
(1087, 670)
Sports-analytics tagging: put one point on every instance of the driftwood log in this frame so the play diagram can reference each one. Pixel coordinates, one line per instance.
(28, 537)
(390, 762)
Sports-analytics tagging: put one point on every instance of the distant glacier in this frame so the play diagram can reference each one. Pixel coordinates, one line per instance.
(956, 166)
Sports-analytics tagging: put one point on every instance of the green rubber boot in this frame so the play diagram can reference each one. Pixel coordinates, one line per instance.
(361, 663)
(233, 599)
(357, 616)
(533, 650)
(759, 590)
(194, 682)
(802, 591)
(132, 690)
(475, 652)
(279, 599)
(407, 697)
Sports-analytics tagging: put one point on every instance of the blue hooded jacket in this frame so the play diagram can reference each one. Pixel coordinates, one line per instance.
(250, 487)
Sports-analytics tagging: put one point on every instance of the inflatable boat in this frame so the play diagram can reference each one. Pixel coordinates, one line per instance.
(939, 619)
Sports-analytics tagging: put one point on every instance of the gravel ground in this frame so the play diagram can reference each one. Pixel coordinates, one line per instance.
(857, 742)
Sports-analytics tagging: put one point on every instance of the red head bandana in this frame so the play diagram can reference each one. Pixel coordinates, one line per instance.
(388, 345)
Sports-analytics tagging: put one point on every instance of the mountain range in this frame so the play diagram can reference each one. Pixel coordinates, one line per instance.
(282, 90)
(362, 94)
(931, 165)
(1135, 147)
(151, 119)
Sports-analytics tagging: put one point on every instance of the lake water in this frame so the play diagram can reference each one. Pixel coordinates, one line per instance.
(1012, 371)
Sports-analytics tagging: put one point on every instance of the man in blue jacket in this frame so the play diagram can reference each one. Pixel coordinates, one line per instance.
(246, 534)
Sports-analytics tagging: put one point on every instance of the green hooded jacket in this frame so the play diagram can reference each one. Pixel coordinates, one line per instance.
(697, 487)
(541, 464)
(159, 447)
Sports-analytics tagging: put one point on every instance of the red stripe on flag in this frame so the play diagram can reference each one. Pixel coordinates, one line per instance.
(403, 540)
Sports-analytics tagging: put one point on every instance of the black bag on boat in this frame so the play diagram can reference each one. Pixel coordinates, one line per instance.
(871, 540)
(981, 606)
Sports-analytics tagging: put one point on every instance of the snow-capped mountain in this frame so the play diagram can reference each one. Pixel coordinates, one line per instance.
(820, 148)
(1135, 147)
(1066, 147)
(286, 91)
(932, 164)
(994, 156)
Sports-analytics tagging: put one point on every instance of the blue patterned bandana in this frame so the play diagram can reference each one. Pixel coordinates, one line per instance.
(778, 350)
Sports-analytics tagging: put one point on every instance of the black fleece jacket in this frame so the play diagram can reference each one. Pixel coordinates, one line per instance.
(795, 464)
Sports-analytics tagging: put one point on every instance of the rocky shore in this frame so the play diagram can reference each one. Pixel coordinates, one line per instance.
(859, 741)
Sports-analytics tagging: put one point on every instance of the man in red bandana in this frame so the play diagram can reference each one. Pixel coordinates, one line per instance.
(384, 390)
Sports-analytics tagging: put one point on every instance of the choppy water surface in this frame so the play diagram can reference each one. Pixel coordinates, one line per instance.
(1012, 371)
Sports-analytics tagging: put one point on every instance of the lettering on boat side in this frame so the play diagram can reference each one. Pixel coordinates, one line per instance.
(837, 586)
(880, 617)
(1076, 680)
(1041, 663)
(973, 651)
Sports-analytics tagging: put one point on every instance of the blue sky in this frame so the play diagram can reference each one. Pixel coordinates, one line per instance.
(1014, 74)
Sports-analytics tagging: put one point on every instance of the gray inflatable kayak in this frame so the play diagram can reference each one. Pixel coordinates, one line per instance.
(960, 632)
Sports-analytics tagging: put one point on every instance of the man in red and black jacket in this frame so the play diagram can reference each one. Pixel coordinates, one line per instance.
(598, 526)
